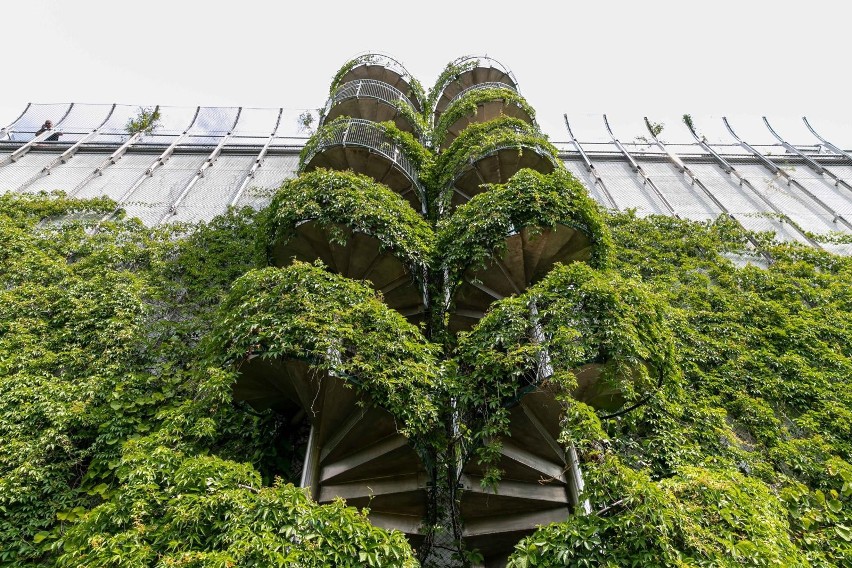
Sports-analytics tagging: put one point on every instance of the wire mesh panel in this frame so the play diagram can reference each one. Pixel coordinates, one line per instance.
(82, 120)
(743, 204)
(117, 178)
(794, 203)
(626, 188)
(114, 131)
(155, 195)
(269, 177)
(211, 125)
(25, 127)
(843, 172)
(66, 177)
(30, 164)
(837, 197)
(687, 200)
(254, 127)
(212, 194)
(173, 122)
(578, 169)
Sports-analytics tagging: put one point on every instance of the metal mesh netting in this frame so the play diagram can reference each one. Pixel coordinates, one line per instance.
(578, 169)
(173, 122)
(66, 177)
(269, 177)
(687, 199)
(791, 201)
(211, 195)
(117, 178)
(114, 131)
(13, 175)
(742, 203)
(255, 126)
(152, 199)
(25, 127)
(626, 188)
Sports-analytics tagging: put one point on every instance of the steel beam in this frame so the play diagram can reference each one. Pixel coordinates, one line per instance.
(743, 182)
(646, 181)
(590, 167)
(258, 162)
(791, 181)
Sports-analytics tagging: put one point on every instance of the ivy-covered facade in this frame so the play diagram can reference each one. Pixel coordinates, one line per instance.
(432, 347)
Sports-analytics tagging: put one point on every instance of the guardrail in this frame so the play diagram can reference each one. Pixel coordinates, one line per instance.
(367, 88)
(365, 134)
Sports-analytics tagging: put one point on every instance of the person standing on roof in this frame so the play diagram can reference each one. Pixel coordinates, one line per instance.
(48, 125)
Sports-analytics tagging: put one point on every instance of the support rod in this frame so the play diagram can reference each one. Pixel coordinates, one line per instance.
(638, 169)
(258, 162)
(590, 167)
(826, 143)
(743, 182)
(684, 169)
(786, 175)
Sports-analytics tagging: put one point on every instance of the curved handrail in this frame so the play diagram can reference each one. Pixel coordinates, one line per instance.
(539, 149)
(375, 58)
(467, 63)
(368, 88)
(478, 86)
(365, 134)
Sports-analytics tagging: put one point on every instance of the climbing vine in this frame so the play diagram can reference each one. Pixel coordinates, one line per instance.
(120, 346)
(468, 105)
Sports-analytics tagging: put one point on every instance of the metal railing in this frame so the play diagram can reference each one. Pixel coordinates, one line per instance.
(478, 86)
(386, 61)
(367, 88)
(365, 134)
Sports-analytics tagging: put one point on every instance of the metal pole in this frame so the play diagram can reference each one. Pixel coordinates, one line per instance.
(208, 163)
(258, 162)
(786, 175)
(730, 169)
(590, 167)
(638, 169)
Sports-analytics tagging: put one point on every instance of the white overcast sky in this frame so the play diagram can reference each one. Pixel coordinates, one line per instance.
(743, 59)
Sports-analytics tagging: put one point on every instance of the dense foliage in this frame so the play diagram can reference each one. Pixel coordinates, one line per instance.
(120, 345)
(743, 457)
(117, 431)
(121, 445)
